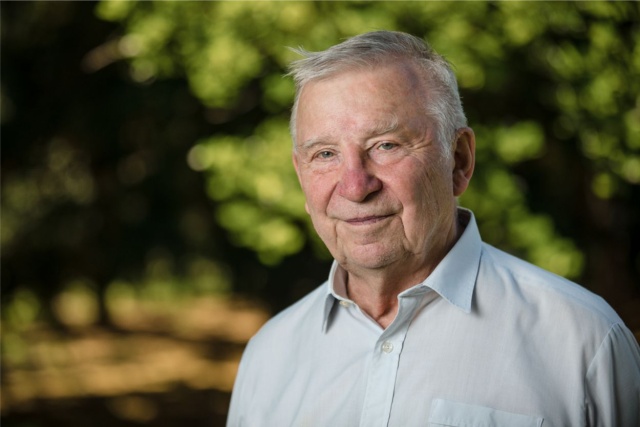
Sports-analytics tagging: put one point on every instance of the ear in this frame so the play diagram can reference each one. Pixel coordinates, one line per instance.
(464, 156)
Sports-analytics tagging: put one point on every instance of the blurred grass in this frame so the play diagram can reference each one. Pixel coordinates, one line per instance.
(157, 351)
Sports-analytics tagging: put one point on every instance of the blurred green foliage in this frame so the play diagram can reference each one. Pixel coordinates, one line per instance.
(146, 159)
(577, 64)
(260, 200)
(146, 149)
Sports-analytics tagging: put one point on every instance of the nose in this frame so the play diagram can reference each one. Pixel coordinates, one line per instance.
(357, 181)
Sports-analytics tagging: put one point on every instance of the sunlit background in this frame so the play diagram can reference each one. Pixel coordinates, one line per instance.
(152, 222)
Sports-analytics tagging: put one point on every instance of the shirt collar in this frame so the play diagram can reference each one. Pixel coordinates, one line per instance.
(453, 279)
(336, 291)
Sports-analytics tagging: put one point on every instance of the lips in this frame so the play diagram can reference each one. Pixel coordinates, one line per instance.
(366, 220)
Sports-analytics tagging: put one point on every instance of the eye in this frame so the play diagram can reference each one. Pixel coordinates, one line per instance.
(386, 146)
(325, 154)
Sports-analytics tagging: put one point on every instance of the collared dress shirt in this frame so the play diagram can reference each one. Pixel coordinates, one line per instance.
(486, 340)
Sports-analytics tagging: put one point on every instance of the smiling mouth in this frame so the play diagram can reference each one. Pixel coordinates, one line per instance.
(367, 220)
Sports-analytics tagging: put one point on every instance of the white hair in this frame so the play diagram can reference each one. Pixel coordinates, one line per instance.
(379, 48)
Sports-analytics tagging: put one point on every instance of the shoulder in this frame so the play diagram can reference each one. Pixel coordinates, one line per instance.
(302, 317)
(267, 359)
(543, 290)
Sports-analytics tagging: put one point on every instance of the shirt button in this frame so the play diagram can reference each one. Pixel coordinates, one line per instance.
(387, 347)
(345, 303)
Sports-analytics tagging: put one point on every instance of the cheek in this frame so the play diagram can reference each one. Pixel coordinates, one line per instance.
(425, 197)
(317, 195)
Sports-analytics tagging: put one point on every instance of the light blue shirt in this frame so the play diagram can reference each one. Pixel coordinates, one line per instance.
(486, 340)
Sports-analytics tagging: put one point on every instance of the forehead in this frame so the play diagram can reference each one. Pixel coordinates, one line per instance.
(401, 76)
(375, 99)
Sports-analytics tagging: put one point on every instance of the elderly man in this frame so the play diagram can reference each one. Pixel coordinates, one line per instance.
(420, 322)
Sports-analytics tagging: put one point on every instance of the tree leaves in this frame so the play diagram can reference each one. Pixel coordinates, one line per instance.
(581, 95)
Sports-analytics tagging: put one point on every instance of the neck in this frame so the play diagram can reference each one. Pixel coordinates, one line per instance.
(376, 291)
(377, 295)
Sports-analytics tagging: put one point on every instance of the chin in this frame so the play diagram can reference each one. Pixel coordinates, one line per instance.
(371, 260)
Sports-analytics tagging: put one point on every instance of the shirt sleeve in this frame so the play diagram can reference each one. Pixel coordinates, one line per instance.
(613, 381)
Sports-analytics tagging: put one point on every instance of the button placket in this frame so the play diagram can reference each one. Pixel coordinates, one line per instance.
(384, 367)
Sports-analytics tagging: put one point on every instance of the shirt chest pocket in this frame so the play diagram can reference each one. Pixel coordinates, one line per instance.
(445, 413)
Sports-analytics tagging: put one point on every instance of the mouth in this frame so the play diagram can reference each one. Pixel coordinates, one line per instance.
(367, 220)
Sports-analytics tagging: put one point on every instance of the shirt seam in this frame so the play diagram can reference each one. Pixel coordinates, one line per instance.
(592, 363)
(526, 280)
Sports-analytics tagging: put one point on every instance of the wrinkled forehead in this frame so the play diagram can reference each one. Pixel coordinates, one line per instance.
(402, 83)
(365, 102)
(406, 67)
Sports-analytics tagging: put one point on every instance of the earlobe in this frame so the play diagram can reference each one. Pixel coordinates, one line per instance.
(464, 155)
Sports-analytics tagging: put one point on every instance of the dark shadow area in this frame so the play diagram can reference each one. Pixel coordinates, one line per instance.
(178, 406)
(145, 371)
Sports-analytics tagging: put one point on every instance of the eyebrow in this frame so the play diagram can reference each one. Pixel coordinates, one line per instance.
(385, 127)
(308, 144)
(381, 128)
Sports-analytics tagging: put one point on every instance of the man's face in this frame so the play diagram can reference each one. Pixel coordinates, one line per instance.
(378, 187)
